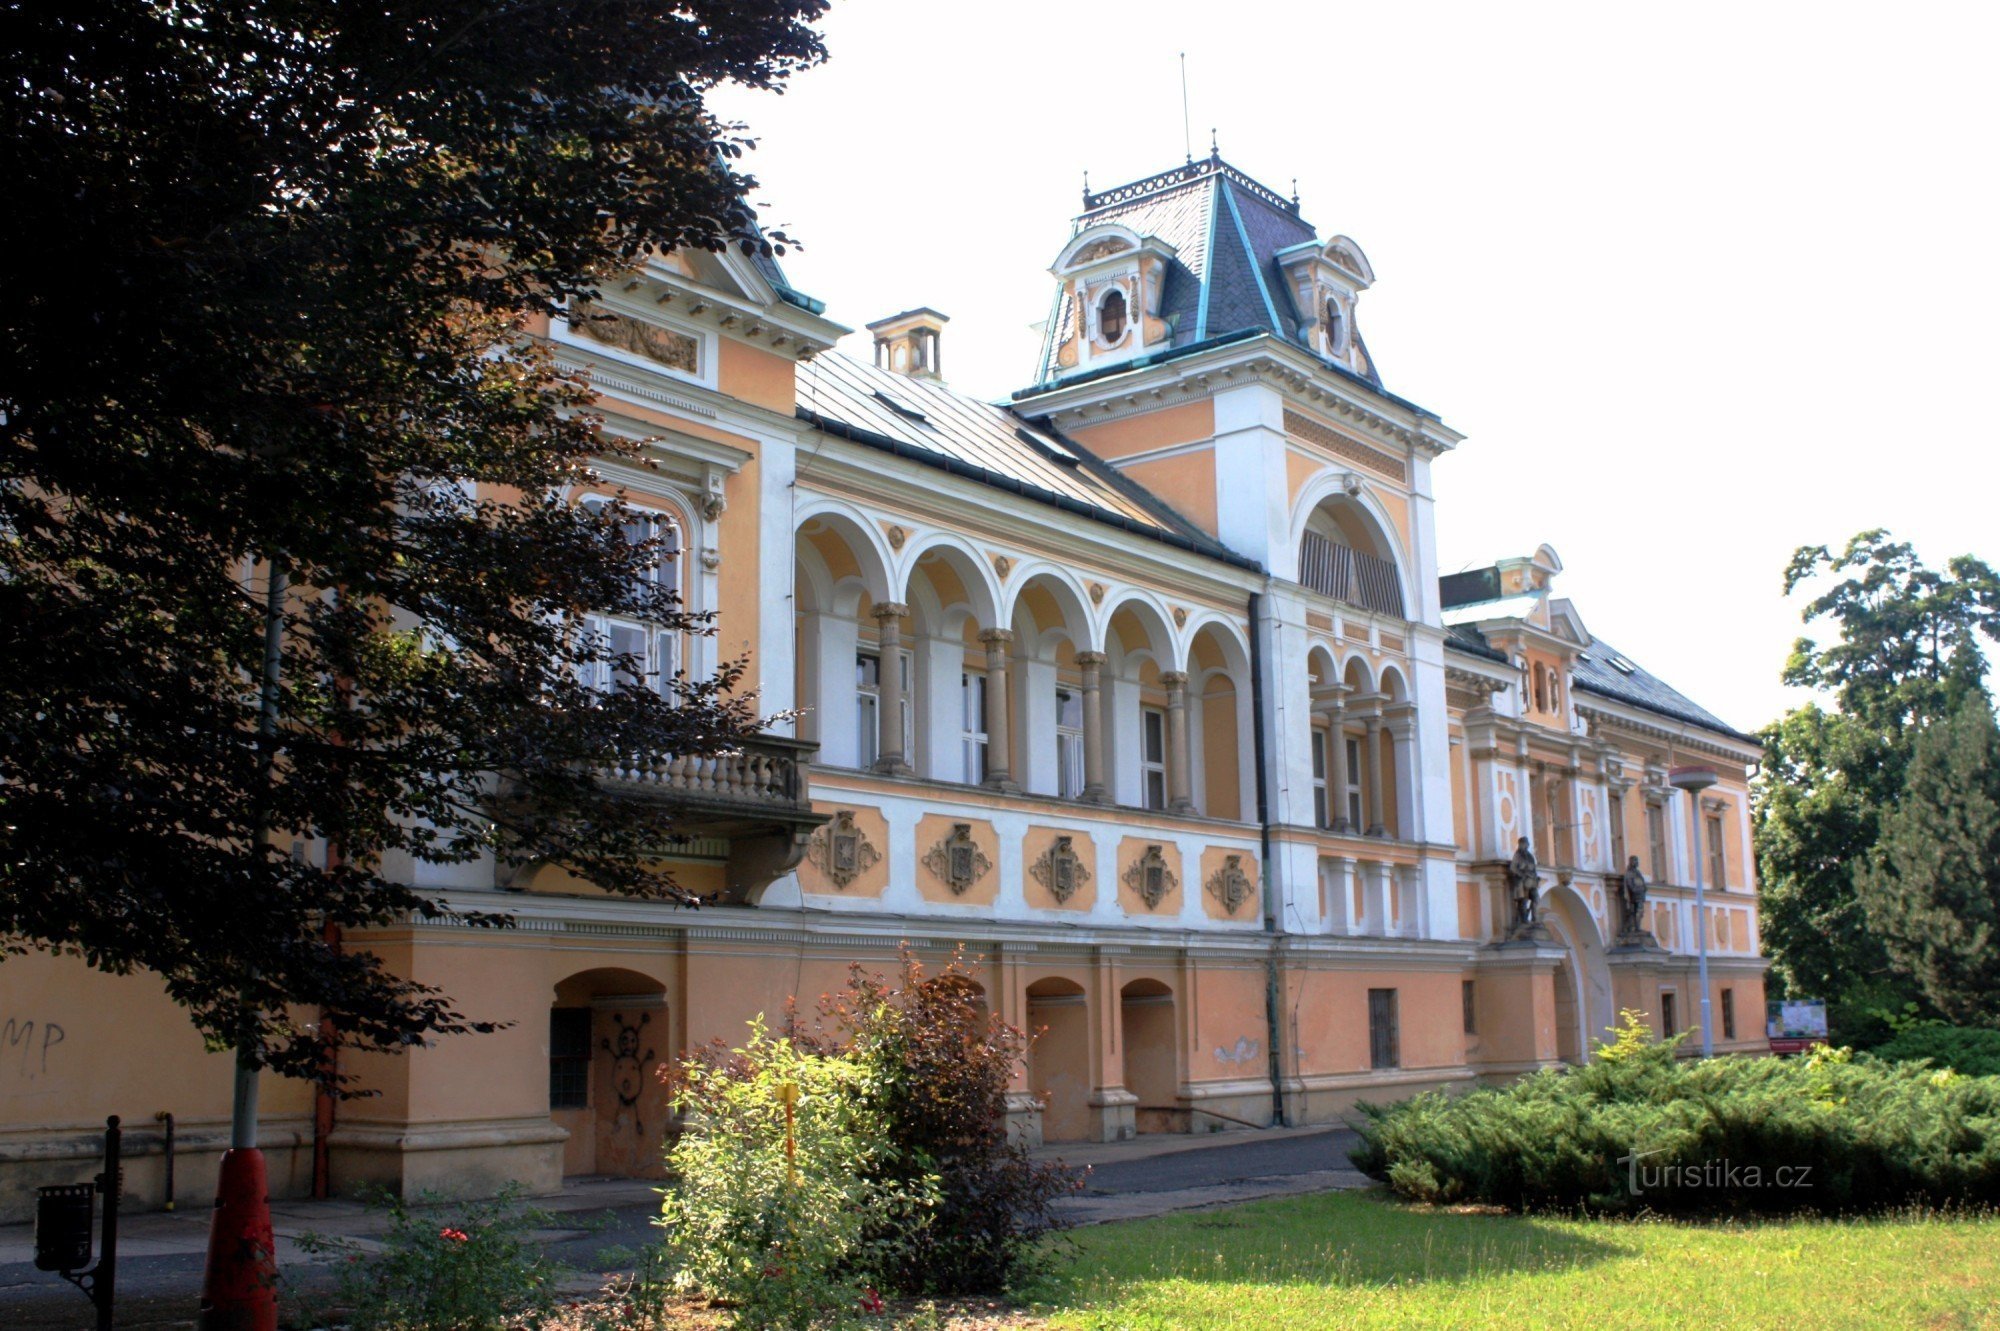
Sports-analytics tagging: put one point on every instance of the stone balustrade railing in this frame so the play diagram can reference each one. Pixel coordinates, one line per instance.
(769, 771)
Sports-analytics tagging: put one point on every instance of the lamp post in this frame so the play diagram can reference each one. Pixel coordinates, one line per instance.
(1694, 780)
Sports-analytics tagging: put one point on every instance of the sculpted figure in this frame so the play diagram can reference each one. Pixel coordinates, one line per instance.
(1632, 899)
(1524, 879)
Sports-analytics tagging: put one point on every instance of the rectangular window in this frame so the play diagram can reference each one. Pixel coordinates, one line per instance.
(867, 702)
(1382, 1042)
(972, 689)
(1153, 757)
(1069, 744)
(1718, 863)
(1656, 839)
(1729, 1014)
(1466, 998)
(654, 654)
(1670, 1025)
(1354, 783)
(1616, 816)
(569, 1058)
(1320, 808)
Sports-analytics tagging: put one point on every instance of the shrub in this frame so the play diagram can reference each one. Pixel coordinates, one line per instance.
(788, 1177)
(939, 1070)
(1971, 1050)
(1641, 1129)
(469, 1268)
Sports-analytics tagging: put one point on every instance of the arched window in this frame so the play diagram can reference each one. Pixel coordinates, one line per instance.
(1111, 316)
(1336, 328)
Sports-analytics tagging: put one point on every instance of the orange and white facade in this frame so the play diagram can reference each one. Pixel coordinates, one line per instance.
(1143, 686)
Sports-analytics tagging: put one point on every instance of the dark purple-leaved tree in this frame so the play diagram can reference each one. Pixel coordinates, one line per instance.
(274, 267)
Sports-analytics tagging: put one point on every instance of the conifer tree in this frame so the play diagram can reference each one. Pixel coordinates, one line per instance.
(1932, 888)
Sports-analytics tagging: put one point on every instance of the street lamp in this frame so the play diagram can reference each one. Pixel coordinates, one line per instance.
(1694, 780)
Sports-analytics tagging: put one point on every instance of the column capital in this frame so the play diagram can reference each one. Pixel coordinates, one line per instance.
(890, 610)
(996, 637)
(1174, 679)
(1091, 659)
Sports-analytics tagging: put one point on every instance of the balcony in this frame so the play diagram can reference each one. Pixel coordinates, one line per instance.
(756, 797)
(1349, 575)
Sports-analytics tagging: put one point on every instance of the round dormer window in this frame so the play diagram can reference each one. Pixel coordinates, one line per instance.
(1111, 317)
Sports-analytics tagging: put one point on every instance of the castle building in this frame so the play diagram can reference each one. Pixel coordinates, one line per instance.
(1143, 686)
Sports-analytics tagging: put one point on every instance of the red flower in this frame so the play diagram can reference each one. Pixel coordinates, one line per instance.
(871, 1302)
(455, 1235)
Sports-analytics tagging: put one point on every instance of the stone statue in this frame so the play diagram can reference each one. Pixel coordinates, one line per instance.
(1632, 901)
(1524, 880)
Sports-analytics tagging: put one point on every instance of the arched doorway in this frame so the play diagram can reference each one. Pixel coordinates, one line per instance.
(607, 1042)
(1152, 1069)
(1059, 1058)
(1583, 1001)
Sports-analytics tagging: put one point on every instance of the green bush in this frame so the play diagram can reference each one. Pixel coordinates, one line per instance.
(786, 1178)
(1971, 1050)
(940, 1066)
(1640, 1129)
(467, 1268)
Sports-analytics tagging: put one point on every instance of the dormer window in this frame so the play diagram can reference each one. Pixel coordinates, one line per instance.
(1111, 317)
(1336, 328)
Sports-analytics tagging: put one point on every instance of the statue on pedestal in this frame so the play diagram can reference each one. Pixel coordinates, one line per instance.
(1632, 905)
(1524, 881)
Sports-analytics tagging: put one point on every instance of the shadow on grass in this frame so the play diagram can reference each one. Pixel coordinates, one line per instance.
(1337, 1238)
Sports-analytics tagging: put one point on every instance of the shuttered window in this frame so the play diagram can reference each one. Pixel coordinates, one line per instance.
(1382, 1042)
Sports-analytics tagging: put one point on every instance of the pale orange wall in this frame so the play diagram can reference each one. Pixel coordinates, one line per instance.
(871, 881)
(1130, 851)
(1224, 793)
(1213, 860)
(1329, 1011)
(1181, 424)
(1036, 844)
(935, 828)
(1186, 481)
(753, 374)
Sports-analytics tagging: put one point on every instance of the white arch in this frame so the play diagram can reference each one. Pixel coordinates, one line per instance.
(1089, 236)
(1071, 600)
(1333, 484)
(862, 534)
(1400, 692)
(982, 587)
(1153, 616)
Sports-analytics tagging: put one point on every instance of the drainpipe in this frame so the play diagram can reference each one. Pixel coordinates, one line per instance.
(1273, 1003)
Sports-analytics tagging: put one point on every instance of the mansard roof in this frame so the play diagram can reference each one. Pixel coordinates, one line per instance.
(927, 421)
(1226, 231)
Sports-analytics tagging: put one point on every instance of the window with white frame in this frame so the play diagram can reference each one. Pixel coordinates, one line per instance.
(1322, 812)
(1718, 857)
(1152, 758)
(868, 705)
(972, 689)
(1353, 780)
(1111, 316)
(1069, 743)
(1656, 838)
(645, 654)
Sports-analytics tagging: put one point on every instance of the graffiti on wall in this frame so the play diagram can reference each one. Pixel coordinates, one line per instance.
(25, 1046)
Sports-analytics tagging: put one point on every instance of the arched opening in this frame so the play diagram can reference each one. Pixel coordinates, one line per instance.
(1336, 328)
(1584, 1009)
(608, 1039)
(1138, 649)
(841, 580)
(1152, 1066)
(1345, 554)
(951, 603)
(1059, 1058)
(1111, 316)
(1219, 723)
(1050, 628)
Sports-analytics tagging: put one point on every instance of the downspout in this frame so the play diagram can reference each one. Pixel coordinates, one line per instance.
(1273, 1004)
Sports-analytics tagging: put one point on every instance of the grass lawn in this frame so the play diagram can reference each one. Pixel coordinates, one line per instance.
(1359, 1260)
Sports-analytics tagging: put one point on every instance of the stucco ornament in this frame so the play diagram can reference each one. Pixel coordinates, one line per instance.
(1524, 881)
(673, 349)
(957, 861)
(841, 850)
(1149, 877)
(1632, 904)
(1060, 869)
(1229, 885)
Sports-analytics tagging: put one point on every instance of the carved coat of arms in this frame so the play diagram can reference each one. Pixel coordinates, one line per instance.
(1230, 885)
(841, 850)
(957, 861)
(1060, 869)
(1150, 878)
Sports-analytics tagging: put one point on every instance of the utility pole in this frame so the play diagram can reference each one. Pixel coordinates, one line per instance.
(239, 1287)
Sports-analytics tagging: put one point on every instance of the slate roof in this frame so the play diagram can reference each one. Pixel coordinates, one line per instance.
(927, 421)
(1226, 230)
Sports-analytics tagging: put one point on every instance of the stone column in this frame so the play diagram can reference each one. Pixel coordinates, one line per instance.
(890, 757)
(1372, 785)
(999, 776)
(1179, 799)
(1094, 789)
(1337, 773)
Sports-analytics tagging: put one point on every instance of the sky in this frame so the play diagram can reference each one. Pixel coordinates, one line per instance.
(1701, 283)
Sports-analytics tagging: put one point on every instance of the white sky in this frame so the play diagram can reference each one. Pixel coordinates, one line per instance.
(1701, 282)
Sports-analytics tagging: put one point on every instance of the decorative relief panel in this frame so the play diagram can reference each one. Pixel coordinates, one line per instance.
(1061, 870)
(1229, 885)
(1150, 878)
(957, 861)
(675, 350)
(841, 850)
(1340, 445)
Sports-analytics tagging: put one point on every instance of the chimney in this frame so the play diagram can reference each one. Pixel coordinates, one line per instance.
(908, 342)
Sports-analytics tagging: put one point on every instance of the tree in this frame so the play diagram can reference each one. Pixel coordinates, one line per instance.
(279, 268)
(1932, 887)
(1907, 652)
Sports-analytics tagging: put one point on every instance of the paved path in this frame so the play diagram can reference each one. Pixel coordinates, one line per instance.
(161, 1253)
